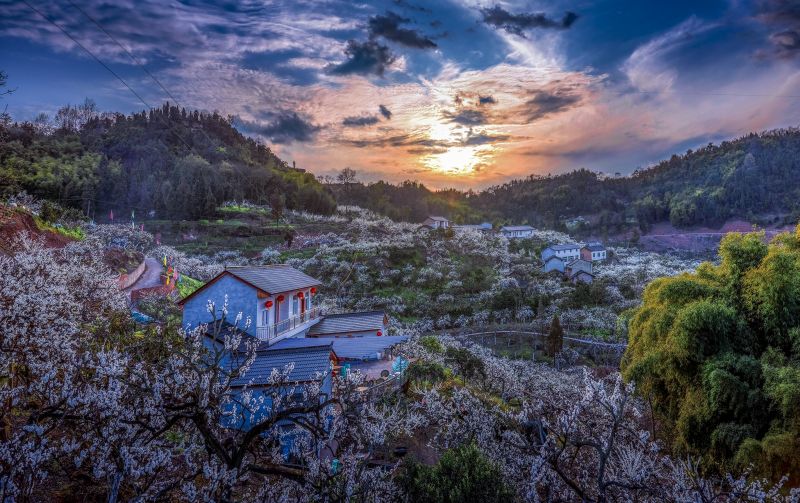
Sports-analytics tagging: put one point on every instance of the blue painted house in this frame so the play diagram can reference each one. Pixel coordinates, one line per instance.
(278, 300)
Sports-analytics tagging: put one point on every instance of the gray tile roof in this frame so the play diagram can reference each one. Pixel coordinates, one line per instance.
(349, 322)
(301, 342)
(365, 348)
(440, 219)
(274, 278)
(309, 365)
(595, 247)
(512, 228)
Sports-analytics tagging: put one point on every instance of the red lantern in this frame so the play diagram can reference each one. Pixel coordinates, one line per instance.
(379, 333)
(268, 304)
(299, 295)
(280, 298)
(313, 290)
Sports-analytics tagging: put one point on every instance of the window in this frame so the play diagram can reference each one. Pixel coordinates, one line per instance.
(265, 317)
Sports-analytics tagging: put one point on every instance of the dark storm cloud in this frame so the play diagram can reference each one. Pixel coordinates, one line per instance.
(287, 127)
(364, 58)
(546, 103)
(517, 24)
(388, 27)
(360, 120)
(385, 112)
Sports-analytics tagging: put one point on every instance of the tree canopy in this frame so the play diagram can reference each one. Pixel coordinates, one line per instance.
(718, 354)
(180, 163)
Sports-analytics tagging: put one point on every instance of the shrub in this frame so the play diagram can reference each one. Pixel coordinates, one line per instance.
(462, 474)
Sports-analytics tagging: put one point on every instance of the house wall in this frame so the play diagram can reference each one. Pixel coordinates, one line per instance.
(570, 254)
(592, 256)
(553, 265)
(241, 298)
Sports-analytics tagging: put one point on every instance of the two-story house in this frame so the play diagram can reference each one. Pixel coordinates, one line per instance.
(278, 300)
(517, 231)
(566, 252)
(593, 252)
(433, 222)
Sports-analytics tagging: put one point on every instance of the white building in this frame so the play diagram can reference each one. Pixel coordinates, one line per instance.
(567, 252)
(436, 223)
(517, 231)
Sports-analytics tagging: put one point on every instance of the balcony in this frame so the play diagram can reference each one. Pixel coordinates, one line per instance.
(270, 332)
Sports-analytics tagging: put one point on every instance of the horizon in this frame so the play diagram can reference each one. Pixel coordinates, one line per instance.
(462, 95)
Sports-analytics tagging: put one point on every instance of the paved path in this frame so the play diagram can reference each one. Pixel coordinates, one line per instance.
(151, 277)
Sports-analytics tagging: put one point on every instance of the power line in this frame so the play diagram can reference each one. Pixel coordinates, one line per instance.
(136, 61)
(115, 74)
(90, 53)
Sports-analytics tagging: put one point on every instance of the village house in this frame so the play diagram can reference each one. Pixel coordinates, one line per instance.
(579, 270)
(553, 263)
(436, 223)
(483, 227)
(593, 252)
(278, 300)
(517, 231)
(566, 252)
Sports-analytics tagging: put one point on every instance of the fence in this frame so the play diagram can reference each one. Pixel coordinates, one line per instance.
(127, 280)
(527, 343)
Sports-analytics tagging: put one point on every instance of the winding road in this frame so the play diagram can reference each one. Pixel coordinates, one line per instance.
(151, 277)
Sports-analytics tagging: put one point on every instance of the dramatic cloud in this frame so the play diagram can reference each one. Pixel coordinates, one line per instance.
(466, 117)
(647, 67)
(385, 112)
(487, 100)
(285, 128)
(364, 58)
(517, 24)
(360, 120)
(782, 17)
(388, 27)
(546, 103)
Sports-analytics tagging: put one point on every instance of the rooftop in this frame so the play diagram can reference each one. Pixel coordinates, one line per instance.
(274, 278)
(441, 219)
(349, 323)
(517, 228)
(310, 364)
(595, 247)
(356, 348)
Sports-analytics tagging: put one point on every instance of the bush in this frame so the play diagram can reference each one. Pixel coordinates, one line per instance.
(462, 474)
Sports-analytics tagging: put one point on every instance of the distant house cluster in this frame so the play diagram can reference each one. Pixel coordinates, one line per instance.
(509, 231)
(574, 261)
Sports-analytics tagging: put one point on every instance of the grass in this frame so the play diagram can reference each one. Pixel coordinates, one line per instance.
(187, 285)
(70, 232)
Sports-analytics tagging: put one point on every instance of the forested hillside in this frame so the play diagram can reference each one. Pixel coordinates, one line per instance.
(180, 163)
(755, 177)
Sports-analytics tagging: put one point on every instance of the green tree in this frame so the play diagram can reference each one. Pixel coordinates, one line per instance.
(462, 474)
(717, 352)
(555, 338)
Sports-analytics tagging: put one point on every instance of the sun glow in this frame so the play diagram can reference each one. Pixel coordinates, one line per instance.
(456, 160)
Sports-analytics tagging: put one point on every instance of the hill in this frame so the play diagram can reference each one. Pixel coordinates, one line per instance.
(175, 162)
(755, 178)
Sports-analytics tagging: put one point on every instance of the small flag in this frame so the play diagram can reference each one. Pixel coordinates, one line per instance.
(165, 261)
(141, 228)
(111, 215)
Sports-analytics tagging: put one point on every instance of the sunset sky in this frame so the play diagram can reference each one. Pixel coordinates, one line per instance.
(451, 93)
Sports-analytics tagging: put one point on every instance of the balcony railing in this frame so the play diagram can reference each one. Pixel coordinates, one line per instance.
(269, 332)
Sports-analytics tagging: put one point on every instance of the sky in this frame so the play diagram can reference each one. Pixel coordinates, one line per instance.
(452, 93)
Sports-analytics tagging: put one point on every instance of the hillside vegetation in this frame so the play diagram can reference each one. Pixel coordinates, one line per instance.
(755, 177)
(179, 163)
